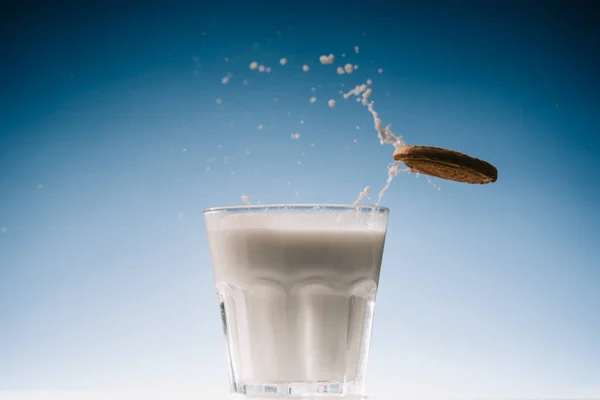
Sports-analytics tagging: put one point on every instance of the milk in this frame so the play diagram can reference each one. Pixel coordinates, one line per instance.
(296, 291)
(386, 136)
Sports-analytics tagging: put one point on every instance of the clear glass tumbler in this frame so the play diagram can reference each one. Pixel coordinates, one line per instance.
(296, 286)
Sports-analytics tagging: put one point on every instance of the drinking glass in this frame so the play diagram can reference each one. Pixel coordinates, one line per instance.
(296, 286)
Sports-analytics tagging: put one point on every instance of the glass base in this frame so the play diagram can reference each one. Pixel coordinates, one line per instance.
(299, 397)
(300, 390)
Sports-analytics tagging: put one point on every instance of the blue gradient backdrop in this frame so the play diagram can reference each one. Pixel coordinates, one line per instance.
(112, 142)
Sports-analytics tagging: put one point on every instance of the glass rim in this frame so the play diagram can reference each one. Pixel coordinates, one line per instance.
(296, 206)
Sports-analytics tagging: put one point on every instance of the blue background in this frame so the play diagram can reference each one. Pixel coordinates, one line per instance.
(112, 143)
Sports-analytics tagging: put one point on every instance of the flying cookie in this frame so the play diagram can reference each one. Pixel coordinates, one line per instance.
(446, 164)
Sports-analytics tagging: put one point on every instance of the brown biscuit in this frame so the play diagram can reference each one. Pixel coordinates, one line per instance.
(446, 164)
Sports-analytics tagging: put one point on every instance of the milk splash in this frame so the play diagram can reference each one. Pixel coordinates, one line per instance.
(362, 93)
(393, 170)
(365, 193)
(385, 134)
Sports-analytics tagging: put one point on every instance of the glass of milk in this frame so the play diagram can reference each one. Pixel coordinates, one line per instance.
(296, 286)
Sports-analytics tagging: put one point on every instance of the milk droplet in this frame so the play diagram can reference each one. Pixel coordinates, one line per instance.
(295, 136)
(348, 68)
(261, 68)
(340, 71)
(380, 70)
(225, 80)
(330, 59)
(356, 49)
(331, 103)
(313, 99)
(305, 68)
(253, 65)
(283, 61)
